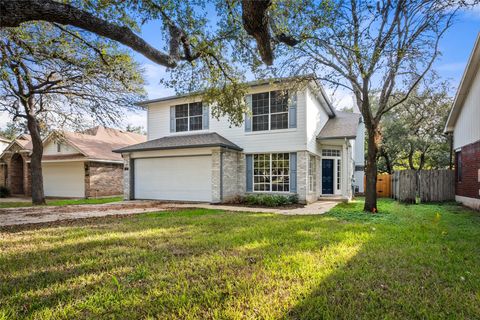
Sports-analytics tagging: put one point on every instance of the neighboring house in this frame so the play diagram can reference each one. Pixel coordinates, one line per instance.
(75, 165)
(4, 142)
(295, 144)
(464, 124)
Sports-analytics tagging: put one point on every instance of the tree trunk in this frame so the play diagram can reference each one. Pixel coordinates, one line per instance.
(38, 196)
(388, 162)
(371, 169)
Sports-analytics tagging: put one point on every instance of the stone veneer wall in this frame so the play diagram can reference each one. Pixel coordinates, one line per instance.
(232, 178)
(127, 195)
(103, 179)
(302, 177)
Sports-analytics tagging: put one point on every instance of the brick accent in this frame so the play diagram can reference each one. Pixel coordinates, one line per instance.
(302, 178)
(127, 177)
(3, 174)
(216, 176)
(469, 186)
(103, 179)
(231, 178)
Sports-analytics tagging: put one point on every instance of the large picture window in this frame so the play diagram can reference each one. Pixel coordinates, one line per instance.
(188, 117)
(271, 172)
(269, 111)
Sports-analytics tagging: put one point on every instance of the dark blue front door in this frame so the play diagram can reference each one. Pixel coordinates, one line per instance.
(327, 176)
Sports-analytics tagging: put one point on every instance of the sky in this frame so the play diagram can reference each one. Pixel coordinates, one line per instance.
(455, 46)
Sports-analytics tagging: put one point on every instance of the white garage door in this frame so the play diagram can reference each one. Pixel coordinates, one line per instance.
(176, 178)
(64, 179)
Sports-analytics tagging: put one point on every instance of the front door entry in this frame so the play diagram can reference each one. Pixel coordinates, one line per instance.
(327, 176)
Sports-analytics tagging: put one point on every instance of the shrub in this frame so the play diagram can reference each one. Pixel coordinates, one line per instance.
(270, 200)
(4, 192)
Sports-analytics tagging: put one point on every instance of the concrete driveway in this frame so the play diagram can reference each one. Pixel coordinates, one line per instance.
(36, 215)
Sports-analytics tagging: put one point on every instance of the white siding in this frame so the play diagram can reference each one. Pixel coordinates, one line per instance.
(261, 141)
(51, 149)
(467, 127)
(358, 146)
(64, 179)
(316, 118)
(3, 146)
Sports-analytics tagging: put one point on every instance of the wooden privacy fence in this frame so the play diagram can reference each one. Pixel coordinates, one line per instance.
(384, 185)
(428, 185)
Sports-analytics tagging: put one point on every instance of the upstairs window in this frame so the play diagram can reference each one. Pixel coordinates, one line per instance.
(269, 111)
(188, 117)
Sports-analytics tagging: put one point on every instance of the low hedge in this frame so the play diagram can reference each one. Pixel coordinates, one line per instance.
(4, 192)
(270, 200)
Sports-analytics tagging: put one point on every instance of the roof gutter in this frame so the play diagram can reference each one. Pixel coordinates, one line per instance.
(178, 147)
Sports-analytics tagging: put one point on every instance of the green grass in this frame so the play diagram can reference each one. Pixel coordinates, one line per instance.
(408, 262)
(63, 202)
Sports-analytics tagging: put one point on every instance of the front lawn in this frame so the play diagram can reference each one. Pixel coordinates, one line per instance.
(62, 202)
(418, 261)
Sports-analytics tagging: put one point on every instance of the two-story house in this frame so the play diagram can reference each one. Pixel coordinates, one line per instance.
(294, 143)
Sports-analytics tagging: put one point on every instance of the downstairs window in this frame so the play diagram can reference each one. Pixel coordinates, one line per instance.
(271, 172)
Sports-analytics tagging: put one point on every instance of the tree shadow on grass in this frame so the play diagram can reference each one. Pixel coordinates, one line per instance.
(82, 262)
(423, 265)
(210, 264)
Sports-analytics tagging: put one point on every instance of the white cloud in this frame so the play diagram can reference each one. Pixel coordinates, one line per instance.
(340, 98)
(5, 117)
(153, 74)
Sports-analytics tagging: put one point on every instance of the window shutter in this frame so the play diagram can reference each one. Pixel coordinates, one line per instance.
(248, 118)
(206, 116)
(172, 119)
(249, 171)
(292, 111)
(293, 172)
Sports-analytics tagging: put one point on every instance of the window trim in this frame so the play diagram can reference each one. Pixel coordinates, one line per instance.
(175, 118)
(270, 173)
(270, 112)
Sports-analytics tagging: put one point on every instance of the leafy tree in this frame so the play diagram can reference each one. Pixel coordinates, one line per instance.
(136, 129)
(53, 76)
(412, 137)
(13, 129)
(368, 46)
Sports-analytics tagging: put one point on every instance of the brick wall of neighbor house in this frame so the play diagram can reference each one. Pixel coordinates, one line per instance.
(3, 174)
(469, 186)
(103, 179)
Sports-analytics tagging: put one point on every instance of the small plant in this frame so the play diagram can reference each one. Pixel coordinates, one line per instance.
(270, 200)
(4, 192)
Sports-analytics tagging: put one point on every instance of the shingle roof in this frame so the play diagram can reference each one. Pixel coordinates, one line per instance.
(25, 141)
(182, 141)
(98, 142)
(343, 125)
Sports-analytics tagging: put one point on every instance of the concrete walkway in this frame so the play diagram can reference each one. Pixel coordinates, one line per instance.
(36, 215)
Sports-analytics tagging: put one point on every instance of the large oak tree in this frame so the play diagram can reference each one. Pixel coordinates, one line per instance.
(52, 75)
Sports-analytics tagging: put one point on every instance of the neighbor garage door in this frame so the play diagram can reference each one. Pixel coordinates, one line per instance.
(64, 179)
(176, 178)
